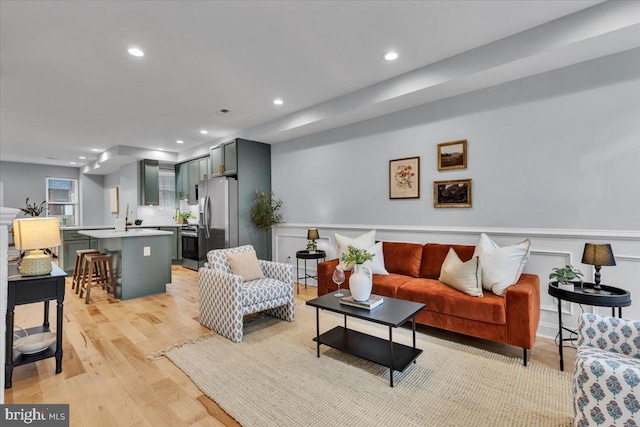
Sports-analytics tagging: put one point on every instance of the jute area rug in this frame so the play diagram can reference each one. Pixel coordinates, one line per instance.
(273, 378)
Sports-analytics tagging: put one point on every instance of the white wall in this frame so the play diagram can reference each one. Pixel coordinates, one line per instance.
(554, 157)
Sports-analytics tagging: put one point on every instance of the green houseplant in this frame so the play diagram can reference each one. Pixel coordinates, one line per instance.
(265, 213)
(184, 216)
(564, 276)
(33, 209)
(356, 256)
(312, 245)
(360, 281)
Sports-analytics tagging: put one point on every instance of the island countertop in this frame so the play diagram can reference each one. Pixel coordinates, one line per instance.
(111, 234)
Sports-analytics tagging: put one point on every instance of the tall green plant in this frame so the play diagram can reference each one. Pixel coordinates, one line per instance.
(34, 209)
(265, 213)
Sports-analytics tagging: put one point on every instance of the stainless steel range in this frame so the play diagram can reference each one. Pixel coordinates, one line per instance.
(191, 257)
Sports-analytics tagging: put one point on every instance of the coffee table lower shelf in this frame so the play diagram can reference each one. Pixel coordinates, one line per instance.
(371, 348)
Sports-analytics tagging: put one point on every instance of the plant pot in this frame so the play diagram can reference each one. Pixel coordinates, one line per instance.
(566, 286)
(360, 283)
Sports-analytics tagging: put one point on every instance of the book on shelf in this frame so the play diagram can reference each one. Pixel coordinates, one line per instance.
(372, 302)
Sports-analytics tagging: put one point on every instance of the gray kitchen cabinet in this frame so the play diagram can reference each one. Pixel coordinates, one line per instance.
(149, 182)
(203, 168)
(224, 159)
(73, 241)
(175, 242)
(187, 176)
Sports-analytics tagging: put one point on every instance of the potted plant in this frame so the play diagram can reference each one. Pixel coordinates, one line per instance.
(184, 216)
(360, 280)
(265, 215)
(312, 246)
(565, 275)
(33, 209)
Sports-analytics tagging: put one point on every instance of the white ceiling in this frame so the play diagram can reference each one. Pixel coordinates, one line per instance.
(67, 83)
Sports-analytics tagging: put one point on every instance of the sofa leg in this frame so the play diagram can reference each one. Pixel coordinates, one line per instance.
(524, 358)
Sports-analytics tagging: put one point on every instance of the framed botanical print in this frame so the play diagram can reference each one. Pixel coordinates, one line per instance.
(404, 178)
(452, 155)
(452, 194)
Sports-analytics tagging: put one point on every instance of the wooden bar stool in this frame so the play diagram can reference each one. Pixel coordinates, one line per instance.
(77, 270)
(97, 271)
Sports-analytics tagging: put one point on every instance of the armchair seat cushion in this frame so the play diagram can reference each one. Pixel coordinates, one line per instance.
(261, 290)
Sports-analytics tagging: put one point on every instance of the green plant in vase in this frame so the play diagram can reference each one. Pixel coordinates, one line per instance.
(312, 245)
(356, 256)
(565, 275)
(184, 216)
(265, 214)
(33, 209)
(361, 277)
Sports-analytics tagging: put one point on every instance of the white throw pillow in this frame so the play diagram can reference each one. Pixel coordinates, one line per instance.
(376, 265)
(245, 265)
(463, 276)
(364, 241)
(501, 267)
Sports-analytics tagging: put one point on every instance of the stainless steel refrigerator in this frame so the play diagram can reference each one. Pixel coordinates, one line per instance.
(218, 222)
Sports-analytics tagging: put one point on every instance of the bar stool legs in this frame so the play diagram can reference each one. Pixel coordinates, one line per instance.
(97, 271)
(78, 268)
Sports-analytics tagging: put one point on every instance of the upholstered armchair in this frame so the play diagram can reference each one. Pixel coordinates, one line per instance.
(225, 298)
(606, 381)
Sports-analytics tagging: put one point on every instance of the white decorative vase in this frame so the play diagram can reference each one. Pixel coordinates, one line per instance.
(360, 283)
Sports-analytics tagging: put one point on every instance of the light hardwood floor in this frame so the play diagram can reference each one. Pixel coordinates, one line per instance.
(108, 381)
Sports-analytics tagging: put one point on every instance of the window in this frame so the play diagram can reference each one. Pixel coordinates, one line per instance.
(62, 199)
(167, 200)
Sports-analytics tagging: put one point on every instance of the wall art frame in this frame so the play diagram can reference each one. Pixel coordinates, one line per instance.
(114, 202)
(452, 155)
(404, 178)
(452, 194)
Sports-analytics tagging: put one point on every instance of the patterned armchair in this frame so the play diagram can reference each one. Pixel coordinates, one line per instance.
(607, 372)
(225, 298)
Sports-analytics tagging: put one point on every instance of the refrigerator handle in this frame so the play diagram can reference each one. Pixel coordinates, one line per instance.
(207, 210)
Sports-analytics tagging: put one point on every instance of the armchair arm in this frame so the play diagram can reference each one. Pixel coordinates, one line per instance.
(277, 270)
(609, 333)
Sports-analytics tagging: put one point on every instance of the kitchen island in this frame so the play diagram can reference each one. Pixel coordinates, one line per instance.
(141, 259)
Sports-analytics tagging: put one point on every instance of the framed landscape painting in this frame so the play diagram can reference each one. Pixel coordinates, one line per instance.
(404, 178)
(452, 155)
(452, 194)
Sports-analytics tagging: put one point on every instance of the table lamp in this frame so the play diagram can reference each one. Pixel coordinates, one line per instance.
(598, 254)
(312, 236)
(34, 234)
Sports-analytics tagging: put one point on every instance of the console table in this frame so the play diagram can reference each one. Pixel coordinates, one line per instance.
(27, 290)
(608, 297)
(305, 255)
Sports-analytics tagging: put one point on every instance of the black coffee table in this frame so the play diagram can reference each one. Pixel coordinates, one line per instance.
(392, 313)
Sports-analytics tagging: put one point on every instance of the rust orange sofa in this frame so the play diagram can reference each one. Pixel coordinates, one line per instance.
(413, 275)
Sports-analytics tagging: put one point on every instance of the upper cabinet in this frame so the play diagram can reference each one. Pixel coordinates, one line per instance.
(149, 182)
(224, 160)
(187, 176)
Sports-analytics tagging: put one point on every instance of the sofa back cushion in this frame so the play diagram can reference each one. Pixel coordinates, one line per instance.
(433, 255)
(404, 258)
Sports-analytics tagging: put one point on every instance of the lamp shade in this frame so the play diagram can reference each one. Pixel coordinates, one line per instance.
(598, 254)
(36, 233)
(312, 234)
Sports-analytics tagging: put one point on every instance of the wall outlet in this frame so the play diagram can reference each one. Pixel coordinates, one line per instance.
(147, 251)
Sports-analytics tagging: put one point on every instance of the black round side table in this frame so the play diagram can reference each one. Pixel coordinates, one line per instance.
(305, 255)
(611, 297)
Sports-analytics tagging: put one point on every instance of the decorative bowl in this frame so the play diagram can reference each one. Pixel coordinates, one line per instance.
(34, 343)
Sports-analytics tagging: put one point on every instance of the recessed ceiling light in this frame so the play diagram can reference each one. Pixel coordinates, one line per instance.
(204, 132)
(73, 163)
(96, 150)
(136, 52)
(160, 149)
(390, 56)
(180, 141)
(82, 157)
(278, 101)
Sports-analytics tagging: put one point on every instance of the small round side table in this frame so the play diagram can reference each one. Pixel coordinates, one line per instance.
(305, 255)
(612, 297)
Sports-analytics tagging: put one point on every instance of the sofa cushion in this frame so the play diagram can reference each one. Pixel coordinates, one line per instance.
(433, 255)
(363, 241)
(245, 265)
(376, 265)
(388, 285)
(438, 297)
(501, 267)
(463, 276)
(403, 258)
